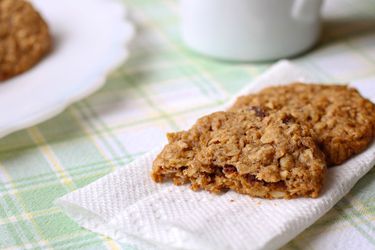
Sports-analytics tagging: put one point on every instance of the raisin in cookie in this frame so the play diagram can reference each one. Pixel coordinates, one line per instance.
(256, 152)
(24, 37)
(342, 120)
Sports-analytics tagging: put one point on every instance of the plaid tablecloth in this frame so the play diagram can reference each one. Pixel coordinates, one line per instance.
(145, 98)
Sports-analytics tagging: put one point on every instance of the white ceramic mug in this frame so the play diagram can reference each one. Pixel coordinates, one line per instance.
(250, 30)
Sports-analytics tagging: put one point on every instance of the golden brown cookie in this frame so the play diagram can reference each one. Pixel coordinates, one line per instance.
(24, 37)
(256, 152)
(343, 121)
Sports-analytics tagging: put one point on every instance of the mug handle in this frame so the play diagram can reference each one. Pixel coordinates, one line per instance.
(306, 10)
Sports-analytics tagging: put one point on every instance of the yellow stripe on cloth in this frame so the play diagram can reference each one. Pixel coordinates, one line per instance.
(48, 153)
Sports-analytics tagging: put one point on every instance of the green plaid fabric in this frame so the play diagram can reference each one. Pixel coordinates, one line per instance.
(144, 98)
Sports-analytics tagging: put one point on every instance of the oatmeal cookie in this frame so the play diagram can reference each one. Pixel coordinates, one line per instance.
(254, 151)
(24, 37)
(342, 120)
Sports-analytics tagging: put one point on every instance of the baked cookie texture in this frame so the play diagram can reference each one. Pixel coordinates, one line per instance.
(343, 122)
(254, 151)
(24, 37)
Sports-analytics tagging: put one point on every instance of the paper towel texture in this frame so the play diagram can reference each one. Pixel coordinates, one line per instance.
(128, 206)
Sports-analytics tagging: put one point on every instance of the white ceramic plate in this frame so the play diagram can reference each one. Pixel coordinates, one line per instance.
(90, 38)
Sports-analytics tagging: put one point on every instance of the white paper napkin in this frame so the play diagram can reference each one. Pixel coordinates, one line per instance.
(127, 206)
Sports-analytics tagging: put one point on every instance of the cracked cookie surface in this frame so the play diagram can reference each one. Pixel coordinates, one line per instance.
(24, 37)
(254, 151)
(343, 122)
